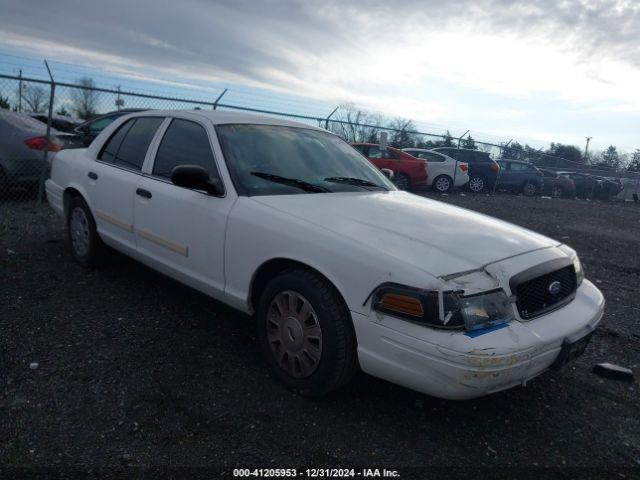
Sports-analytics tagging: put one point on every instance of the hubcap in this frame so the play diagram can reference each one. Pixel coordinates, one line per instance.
(294, 334)
(443, 184)
(79, 231)
(476, 184)
(556, 192)
(529, 189)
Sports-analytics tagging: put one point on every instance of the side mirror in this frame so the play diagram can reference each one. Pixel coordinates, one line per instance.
(387, 173)
(197, 178)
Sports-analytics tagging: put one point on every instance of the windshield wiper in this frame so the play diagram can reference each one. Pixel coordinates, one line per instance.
(359, 182)
(293, 182)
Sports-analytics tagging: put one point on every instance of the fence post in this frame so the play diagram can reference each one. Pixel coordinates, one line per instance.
(326, 120)
(45, 158)
(455, 168)
(215, 104)
(20, 92)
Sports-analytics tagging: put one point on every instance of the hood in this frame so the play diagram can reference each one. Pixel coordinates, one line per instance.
(436, 237)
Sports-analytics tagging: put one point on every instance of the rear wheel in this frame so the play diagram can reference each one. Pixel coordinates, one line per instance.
(476, 184)
(529, 189)
(557, 191)
(306, 334)
(442, 184)
(401, 180)
(86, 245)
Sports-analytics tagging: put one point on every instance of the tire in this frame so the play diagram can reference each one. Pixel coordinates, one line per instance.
(529, 189)
(313, 354)
(84, 242)
(477, 184)
(442, 184)
(557, 191)
(401, 181)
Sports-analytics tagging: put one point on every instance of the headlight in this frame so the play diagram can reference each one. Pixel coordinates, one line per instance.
(577, 265)
(443, 309)
(486, 309)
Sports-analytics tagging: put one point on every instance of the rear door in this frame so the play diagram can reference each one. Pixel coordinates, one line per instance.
(505, 178)
(181, 231)
(380, 158)
(112, 179)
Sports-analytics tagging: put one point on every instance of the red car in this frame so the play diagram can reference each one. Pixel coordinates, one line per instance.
(408, 171)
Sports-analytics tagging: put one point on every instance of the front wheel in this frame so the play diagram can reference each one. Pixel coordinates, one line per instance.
(305, 333)
(476, 184)
(443, 184)
(401, 181)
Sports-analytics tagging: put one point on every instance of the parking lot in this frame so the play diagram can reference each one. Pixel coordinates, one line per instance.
(123, 366)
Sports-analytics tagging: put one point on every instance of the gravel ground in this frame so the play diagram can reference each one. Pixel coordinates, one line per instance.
(136, 369)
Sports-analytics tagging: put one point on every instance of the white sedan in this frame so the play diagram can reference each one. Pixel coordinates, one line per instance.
(341, 270)
(444, 171)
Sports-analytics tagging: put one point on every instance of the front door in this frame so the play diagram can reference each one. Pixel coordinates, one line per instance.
(180, 231)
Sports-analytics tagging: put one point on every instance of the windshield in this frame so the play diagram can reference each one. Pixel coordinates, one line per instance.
(279, 160)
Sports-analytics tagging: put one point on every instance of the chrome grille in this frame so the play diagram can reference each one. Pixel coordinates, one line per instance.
(545, 292)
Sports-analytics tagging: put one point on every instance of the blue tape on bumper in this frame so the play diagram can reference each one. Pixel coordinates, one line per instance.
(482, 331)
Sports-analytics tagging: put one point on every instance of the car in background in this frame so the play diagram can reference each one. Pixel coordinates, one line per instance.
(610, 187)
(442, 169)
(587, 186)
(22, 142)
(519, 177)
(90, 129)
(483, 171)
(408, 171)
(62, 123)
(557, 186)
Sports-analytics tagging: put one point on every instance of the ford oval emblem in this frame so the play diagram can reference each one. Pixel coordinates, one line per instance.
(554, 287)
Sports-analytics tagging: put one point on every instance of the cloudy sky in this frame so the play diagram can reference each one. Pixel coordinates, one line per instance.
(536, 70)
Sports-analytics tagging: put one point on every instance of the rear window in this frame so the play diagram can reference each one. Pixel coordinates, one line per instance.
(128, 146)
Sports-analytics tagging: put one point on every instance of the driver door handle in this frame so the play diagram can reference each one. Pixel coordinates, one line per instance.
(143, 193)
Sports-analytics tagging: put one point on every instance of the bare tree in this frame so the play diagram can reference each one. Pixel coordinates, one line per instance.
(84, 98)
(355, 125)
(36, 98)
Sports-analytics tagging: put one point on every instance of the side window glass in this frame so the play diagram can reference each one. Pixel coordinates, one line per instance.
(136, 143)
(100, 124)
(375, 152)
(184, 143)
(391, 154)
(110, 149)
(432, 157)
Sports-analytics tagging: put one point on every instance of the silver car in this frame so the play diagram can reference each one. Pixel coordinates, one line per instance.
(22, 142)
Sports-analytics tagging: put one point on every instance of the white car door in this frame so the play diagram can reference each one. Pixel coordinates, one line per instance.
(112, 180)
(436, 165)
(180, 231)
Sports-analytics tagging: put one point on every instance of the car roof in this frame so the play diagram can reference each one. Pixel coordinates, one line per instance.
(218, 117)
(515, 161)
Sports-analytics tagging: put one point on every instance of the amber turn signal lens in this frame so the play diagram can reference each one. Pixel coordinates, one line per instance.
(401, 304)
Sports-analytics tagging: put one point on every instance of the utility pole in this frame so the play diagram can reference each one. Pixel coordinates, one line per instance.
(586, 149)
(119, 100)
(20, 93)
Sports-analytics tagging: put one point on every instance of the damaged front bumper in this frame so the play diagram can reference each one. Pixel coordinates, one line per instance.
(463, 365)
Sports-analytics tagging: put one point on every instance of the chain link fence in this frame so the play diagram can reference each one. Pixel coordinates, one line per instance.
(38, 118)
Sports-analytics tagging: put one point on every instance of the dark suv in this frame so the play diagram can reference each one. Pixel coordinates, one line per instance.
(483, 172)
(520, 177)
